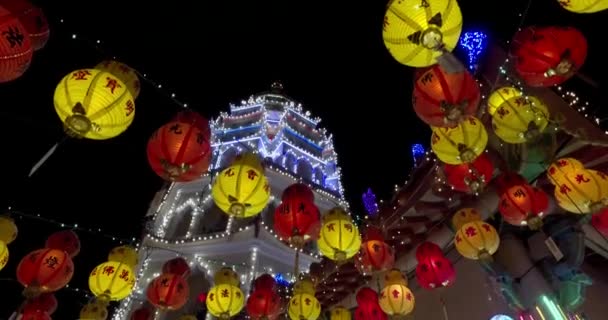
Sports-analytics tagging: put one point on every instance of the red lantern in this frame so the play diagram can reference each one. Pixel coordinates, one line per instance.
(195, 119)
(547, 56)
(45, 302)
(264, 304)
(35, 315)
(15, 47)
(375, 253)
(368, 307)
(177, 266)
(524, 205)
(65, 240)
(297, 219)
(168, 292)
(600, 222)
(470, 177)
(33, 20)
(45, 270)
(433, 269)
(506, 180)
(142, 313)
(179, 151)
(298, 191)
(443, 99)
(265, 281)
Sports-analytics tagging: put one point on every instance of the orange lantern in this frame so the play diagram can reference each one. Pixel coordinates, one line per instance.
(168, 292)
(375, 253)
(524, 205)
(15, 47)
(45, 270)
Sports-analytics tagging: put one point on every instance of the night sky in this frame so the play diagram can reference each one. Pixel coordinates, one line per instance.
(330, 57)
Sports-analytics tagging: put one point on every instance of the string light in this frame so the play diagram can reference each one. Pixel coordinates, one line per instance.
(418, 152)
(369, 202)
(474, 42)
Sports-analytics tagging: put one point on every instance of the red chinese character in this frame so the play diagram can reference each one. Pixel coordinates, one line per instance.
(307, 301)
(564, 3)
(458, 239)
(502, 112)
(435, 138)
(348, 227)
(225, 293)
(385, 23)
(112, 84)
(331, 227)
(211, 297)
(81, 75)
(472, 121)
(564, 189)
(267, 187)
(470, 232)
(108, 270)
(395, 293)
(251, 174)
(124, 275)
(580, 178)
(519, 193)
(408, 297)
(130, 107)
(486, 227)
(229, 172)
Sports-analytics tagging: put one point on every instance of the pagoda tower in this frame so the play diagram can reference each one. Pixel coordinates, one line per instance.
(183, 220)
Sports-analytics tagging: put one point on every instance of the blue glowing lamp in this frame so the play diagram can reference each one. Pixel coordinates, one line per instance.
(417, 152)
(280, 279)
(369, 202)
(501, 317)
(474, 42)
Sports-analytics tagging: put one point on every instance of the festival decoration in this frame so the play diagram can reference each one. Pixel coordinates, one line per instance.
(142, 313)
(124, 254)
(303, 305)
(168, 292)
(500, 96)
(434, 270)
(475, 43)
(505, 180)
(299, 191)
(547, 56)
(584, 6)
(417, 34)
(520, 119)
(94, 310)
(66, 240)
(561, 168)
(396, 300)
(226, 276)
(45, 302)
(339, 313)
(368, 307)
(524, 205)
(94, 104)
(4, 254)
(460, 144)
(44, 270)
(463, 216)
(195, 119)
(33, 20)
(15, 47)
(444, 99)
(339, 238)
(179, 151)
(470, 177)
(264, 303)
(583, 191)
(178, 266)
(242, 189)
(126, 74)
(477, 240)
(375, 254)
(111, 281)
(8, 229)
(297, 218)
(35, 315)
(225, 301)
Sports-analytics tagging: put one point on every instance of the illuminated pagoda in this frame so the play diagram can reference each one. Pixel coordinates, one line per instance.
(183, 220)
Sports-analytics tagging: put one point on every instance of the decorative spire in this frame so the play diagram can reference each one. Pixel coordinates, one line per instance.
(369, 202)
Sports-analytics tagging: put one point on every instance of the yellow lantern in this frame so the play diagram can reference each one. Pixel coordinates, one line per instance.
(123, 72)
(477, 240)
(394, 276)
(111, 281)
(225, 301)
(340, 313)
(396, 299)
(460, 144)
(226, 276)
(339, 238)
(3, 254)
(304, 285)
(125, 254)
(94, 104)
(583, 191)
(560, 168)
(8, 230)
(520, 119)
(415, 32)
(499, 96)
(187, 317)
(242, 189)
(304, 306)
(94, 310)
(584, 6)
(465, 215)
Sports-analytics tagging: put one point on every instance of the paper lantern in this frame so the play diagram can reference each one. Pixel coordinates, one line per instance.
(15, 47)
(396, 299)
(45, 302)
(226, 276)
(34, 315)
(304, 285)
(524, 205)
(298, 191)
(506, 180)
(427, 249)
(600, 222)
(583, 191)
(66, 240)
(111, 281)
(242, 189)
(297, 220)
(477, 240)
(339, 313)
(45, 270)
(520, 119)
(94, 310)
(8, 230)
(94, 104)
(265, 281)
(444, 99)
(339, 238)
(142, 313)
(3, 254)
(547, 56)
(415, 32)
(499, 96)
(304, 306)
(33, 20)
(177, 266)
(196, 119)
(264, 304)
(394, 276)
(462, 143)
(375, 254)
(584, 6)
(225, 301)
(470, 177)
(465, 215)
(168, 292)
(179, 151)
(434, 270)
(366, 295)
(367, 305)
(559, 169)
(126, 74)
(125, 254)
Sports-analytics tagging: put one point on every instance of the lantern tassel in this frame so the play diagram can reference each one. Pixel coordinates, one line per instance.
(45, 157)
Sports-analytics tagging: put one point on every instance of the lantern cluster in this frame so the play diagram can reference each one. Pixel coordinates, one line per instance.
(522, 204)
(8, 234)
(264, 302)
(368, 307)
(434, 270)
(474, 239)
(170, 290)
(225, 299)
(297, 218)
(339, 238)
(242, 189)
(577, 189)
(375, 254)
(470, 177)
(396, 299)
(303, 305)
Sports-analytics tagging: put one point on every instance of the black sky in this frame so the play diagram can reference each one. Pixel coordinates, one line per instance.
(330, 57)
